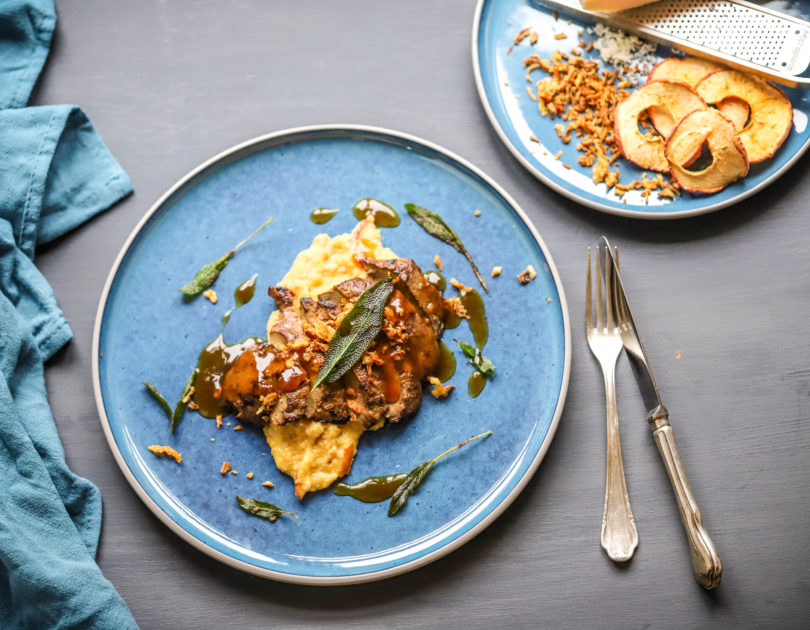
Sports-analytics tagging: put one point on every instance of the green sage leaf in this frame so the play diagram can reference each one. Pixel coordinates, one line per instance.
(478, 360)
(159, 398)
(411, 484)
(417, 476)
(261, 509)
(208, 274)
(205, 277)
(355, 333)
(434, 225)
(180, 407)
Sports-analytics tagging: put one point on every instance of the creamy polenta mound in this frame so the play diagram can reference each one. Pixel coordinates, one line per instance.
(313, 453)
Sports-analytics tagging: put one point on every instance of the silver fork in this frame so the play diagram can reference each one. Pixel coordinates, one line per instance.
(619, 534)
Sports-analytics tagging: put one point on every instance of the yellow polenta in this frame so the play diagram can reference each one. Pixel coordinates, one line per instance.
(315, 454)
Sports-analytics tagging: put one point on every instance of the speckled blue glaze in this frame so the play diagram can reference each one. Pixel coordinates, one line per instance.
(501, 80)
(146, 332)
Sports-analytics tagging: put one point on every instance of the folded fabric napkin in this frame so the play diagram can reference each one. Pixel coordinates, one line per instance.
(55, 173)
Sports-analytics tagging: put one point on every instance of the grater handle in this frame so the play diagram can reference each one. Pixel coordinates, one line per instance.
(621, 21)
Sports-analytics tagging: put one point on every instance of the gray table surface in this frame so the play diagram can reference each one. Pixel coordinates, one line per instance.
(169, 84)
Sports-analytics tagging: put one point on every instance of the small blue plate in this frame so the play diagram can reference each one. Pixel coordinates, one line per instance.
(145, 332)
(501, 82)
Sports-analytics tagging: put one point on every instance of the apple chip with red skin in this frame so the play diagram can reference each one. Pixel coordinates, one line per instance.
(647, 150)
(689, 70)
(771, 111)
(736, 110)
(710, 127)
(692, 70)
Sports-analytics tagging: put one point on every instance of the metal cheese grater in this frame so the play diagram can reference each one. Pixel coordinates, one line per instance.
(737, 33)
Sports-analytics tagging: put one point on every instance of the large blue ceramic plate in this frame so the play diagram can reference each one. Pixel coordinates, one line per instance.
(501, 85)
(145, 332)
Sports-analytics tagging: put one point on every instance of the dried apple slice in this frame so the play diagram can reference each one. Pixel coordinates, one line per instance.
(771, 111)
(729, 160)
(692, 70)
(647, 150)
(689, 70)
(686, 152)
(736, 110)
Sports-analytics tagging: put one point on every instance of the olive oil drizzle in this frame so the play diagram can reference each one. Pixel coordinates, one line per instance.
(476, 383)
(447, 363)
(474, 305)
(372, 489)
(320, 216)
(451, 319)
(436, 279)
(241, 296)
(216, 358)
(383, 214)
(213, 363)
(244, 292)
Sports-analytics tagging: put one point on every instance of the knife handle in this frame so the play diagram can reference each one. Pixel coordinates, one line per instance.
(705, 561)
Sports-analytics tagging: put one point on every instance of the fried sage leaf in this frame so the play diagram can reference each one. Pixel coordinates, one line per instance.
(411, 484)
(355, 333)
(208, 274)
(435, 226)
(261, 509)
(417, 477)
(159, 398)
(180, 407)
(478, 360)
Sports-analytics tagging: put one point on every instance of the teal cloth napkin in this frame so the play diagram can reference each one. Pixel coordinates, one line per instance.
(26, 27)
(55, 173)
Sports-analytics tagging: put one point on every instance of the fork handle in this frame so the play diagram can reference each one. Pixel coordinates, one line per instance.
(706, 563)
(619, 533)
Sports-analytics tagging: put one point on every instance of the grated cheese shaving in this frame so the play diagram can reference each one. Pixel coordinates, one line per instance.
(618, 48)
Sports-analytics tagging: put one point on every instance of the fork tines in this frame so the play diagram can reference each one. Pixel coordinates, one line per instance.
(610, 301)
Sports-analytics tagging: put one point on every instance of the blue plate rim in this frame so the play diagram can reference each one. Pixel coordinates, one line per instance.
(233, 153)
(548, 181)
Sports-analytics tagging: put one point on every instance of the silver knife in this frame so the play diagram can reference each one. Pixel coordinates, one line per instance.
(705, 561)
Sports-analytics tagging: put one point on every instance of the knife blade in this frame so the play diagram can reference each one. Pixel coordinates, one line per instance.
(706, 563)
(633, 344)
